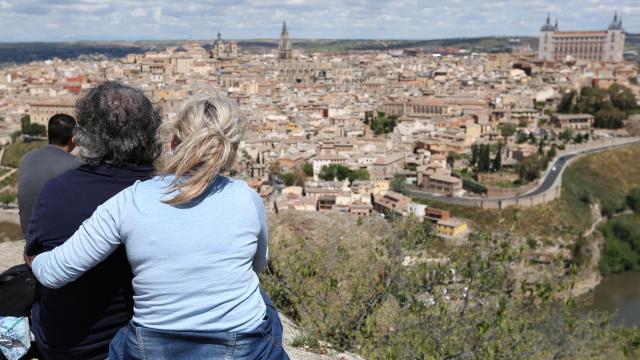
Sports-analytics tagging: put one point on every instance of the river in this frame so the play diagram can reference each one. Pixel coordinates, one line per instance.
(617, 294)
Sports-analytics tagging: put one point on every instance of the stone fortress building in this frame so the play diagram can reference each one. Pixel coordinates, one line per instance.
(597, 45)
(42, 110)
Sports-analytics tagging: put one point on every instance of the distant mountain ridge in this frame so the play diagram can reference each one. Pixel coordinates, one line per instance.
(37, 51)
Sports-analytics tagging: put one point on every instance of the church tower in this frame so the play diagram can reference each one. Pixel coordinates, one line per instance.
(284, 46)
(614, 45)
(545, 40)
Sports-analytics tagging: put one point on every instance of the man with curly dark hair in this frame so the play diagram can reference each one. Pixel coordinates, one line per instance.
(116, 134)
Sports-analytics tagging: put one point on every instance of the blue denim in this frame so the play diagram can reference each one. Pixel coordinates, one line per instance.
(137, 343)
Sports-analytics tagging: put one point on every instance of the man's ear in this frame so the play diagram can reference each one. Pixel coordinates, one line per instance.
(72, 142)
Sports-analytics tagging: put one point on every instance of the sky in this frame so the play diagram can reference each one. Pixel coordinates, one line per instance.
(72, 20)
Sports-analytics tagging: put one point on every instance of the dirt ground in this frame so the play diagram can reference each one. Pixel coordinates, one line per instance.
(10, 254)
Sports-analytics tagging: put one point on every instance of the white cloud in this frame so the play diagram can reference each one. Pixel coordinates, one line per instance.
(138, 12)
(409, 19)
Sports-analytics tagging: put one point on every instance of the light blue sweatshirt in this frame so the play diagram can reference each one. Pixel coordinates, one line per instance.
(194, 267)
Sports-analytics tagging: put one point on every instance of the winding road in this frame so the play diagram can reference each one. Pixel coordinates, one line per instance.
(551, 179)
(558, 166)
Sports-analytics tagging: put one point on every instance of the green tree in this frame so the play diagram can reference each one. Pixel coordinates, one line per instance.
(368, 115)
(541, 147)
(452, 157)
(398, 183)
(622, 97)
(7, 198)
(507, 129)
(287, 178)
(633, 199)
(484, 160)
(530, 167)
(14, 135)
(622, 244)
(25, 122)
(327, 173)
(342, 172)
(566, 102)
(497, 160)
(609, 118)
(609, 107)
(521, 138)
(307, 168)
(475, 155)
(246, 157)
(294, 178)
(578, 138)
(360, 174)
(28, 128)
(566, 135)
(333, 171)
(591, 100)
(383, 124)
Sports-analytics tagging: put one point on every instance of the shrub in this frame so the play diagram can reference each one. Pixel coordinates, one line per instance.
(355, 290)
(633, 199)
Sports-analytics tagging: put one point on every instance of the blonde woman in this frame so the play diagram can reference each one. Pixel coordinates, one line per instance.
(195, 241)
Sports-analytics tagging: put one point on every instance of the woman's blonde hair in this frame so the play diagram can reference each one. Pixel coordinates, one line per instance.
(199, 144)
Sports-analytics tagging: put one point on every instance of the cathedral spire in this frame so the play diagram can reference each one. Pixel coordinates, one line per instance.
(547, 26)
(616, 24)
(284, 46)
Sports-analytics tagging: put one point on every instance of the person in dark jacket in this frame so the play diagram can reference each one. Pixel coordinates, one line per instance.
(116, 133)
(39, 166)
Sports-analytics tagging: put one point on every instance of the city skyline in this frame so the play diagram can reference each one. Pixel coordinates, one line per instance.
(249, 19)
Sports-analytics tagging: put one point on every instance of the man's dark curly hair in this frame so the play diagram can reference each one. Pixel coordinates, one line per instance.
(116, 124)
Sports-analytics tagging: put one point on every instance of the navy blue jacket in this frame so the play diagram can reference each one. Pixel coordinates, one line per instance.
(79, 320)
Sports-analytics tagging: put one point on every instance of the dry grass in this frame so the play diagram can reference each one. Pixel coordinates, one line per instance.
(10, 232)
(14, 152)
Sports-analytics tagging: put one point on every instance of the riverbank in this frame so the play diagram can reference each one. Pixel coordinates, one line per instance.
(590, 276)
(617, 295)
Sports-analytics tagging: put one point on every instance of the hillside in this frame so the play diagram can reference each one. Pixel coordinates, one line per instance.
(605, 177)
(369, 285)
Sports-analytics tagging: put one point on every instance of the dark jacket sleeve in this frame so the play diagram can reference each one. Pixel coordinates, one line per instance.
(34, 235)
